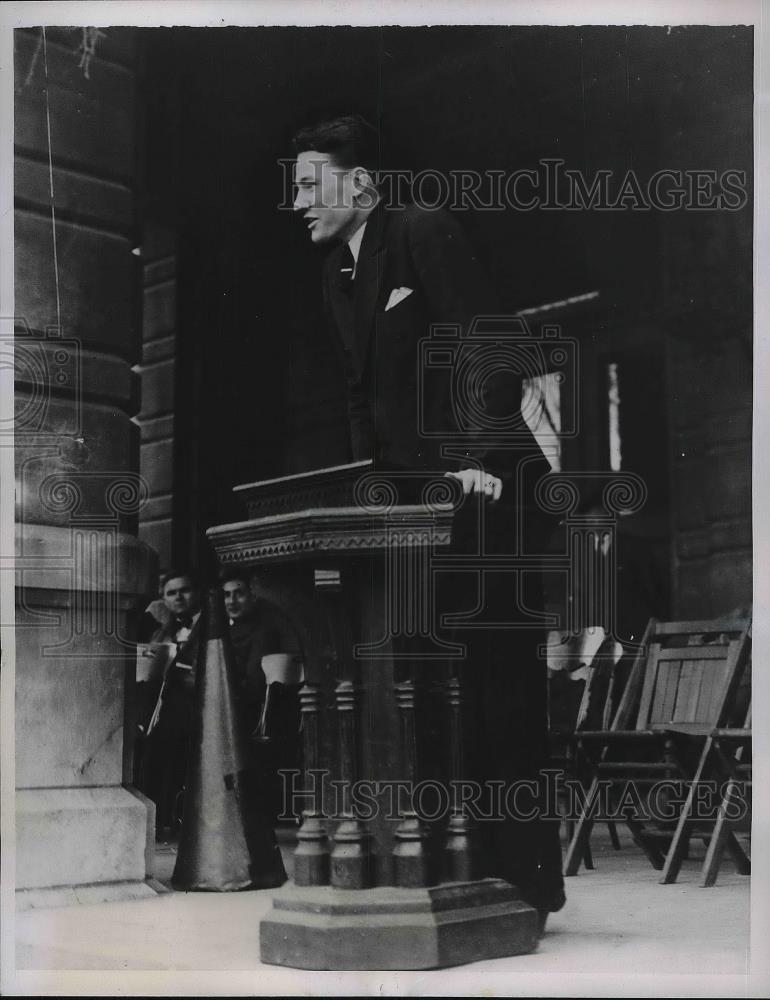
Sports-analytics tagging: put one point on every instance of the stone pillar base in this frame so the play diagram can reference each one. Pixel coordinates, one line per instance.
(75, 844)
(103, 892)
(319, 927)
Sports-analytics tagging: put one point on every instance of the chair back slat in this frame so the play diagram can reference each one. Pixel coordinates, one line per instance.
(678, 674)
(688, 690)
(715, 651)
(702, 706)
(703, 629)
(706, 706)
(629, 700)
(708, 691)
(652, 667)
(662, 689)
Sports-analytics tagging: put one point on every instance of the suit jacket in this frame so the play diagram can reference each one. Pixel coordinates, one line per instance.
(187, 653)
(393, 396)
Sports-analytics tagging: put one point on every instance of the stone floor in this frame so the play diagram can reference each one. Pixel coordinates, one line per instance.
(619, 929)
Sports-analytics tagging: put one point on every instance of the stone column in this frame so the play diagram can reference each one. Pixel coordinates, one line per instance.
(81, 832)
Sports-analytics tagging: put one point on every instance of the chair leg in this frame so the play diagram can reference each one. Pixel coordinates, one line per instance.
(677, 852)
(612, 827)
(721, 838)
(579, 843)
(654, 856)
(588, 860)
(716, 847)
(739, 856)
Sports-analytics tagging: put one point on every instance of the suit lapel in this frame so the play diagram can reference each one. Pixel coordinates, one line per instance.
(368, 281)
(341, 303)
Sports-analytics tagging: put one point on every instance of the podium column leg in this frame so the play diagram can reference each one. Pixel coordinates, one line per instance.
(411, 863)
(459, 848)
(351, 866)
(311, 856)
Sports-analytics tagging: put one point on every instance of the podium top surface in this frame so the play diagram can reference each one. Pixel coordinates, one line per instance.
(342, 509)
(332, 472)
(334, 486)
(357, 484)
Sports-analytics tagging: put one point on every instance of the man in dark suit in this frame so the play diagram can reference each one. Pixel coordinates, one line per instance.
(168, 724)
(251, 638)
(395, 274)
(255, 634)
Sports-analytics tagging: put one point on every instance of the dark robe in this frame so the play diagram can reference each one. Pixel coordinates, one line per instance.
(251, 639)
(402, 408)
(276, 746)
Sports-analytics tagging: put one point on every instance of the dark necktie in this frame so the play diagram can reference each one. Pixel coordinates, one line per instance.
(347, 267)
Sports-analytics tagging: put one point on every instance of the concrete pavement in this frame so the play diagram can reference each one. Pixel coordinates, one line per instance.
(618, 928)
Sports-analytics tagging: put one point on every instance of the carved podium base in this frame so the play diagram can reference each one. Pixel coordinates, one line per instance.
(320, 927)
(354, 570)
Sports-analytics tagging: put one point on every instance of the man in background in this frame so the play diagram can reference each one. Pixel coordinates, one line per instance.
(269, 681)
(166, 720)
(252, 637)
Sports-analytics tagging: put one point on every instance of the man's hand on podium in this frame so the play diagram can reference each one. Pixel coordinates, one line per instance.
(478, 481)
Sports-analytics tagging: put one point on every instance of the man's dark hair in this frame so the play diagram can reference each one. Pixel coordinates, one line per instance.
(234, 573)
(349, 139)
(175, 573)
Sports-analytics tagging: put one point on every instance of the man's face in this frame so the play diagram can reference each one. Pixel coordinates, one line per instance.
(180, 595)
(325, 197)
(238, 598)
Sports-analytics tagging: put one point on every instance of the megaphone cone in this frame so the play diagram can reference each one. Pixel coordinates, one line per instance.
(227, 840)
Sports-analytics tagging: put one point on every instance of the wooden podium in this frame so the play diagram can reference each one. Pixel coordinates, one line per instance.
(376, 886)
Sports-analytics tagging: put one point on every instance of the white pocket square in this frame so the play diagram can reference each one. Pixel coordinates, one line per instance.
(396, 296)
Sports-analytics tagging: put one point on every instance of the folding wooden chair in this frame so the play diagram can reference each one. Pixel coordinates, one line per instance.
(593, 662)
(681, 685)
(725, 758)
